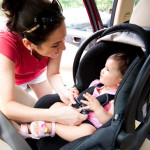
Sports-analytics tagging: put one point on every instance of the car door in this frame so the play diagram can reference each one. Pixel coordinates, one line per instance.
(84, 17)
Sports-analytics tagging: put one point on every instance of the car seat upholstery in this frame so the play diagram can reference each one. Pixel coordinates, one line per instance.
(120, 132)
(4, 145)
(10, 138)
(141, 14)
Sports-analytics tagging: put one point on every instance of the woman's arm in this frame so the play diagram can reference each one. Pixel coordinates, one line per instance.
(56, 81)
(16, 111)
(8, 105)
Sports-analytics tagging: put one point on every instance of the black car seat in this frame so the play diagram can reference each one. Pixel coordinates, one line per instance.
(132, 94)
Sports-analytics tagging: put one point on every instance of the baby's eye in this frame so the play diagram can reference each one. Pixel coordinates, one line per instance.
(107, 69)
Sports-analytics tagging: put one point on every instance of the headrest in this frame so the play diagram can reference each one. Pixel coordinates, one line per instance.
(128, 34)
(141, 13)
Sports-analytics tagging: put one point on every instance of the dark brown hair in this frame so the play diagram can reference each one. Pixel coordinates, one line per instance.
(123, 59)
(24, 15)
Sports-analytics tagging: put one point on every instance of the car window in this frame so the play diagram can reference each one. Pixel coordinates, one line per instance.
(74, 19)
(75, 15)
(105, 9)
(78, 30)
(135, 2)
(77, 22)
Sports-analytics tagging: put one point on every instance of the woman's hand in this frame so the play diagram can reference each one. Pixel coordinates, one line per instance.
(75, 92)
(69, 96)
(91, 102)
(68, 115)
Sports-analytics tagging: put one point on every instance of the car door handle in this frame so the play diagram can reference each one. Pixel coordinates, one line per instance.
(76, 39)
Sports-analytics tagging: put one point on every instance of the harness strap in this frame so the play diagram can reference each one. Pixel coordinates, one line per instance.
(103, 99)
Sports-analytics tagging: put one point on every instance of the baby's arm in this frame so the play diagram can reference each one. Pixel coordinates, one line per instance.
(93, 104)
(102, 115)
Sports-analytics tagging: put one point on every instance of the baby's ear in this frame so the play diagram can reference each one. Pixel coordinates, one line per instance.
(120, 79)
(118, 84)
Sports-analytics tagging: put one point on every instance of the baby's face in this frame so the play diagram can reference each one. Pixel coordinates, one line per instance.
(110, 75)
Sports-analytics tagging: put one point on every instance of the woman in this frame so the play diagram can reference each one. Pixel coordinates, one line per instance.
(33, 42)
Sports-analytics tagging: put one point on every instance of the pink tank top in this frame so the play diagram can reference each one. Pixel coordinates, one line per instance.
(91, 116)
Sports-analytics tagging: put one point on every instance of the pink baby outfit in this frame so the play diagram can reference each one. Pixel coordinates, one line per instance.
(91, 115)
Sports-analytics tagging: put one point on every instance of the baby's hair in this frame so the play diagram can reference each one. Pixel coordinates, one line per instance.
(33, 19)
(124, 61)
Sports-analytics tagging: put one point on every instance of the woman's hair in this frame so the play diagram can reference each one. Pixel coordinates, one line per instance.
(33, 19)
(123, 59)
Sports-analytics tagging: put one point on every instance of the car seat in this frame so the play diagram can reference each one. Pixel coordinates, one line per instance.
(132, 94)
(129, 126)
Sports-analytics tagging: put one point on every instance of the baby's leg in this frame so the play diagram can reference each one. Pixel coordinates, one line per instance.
(70, 133)
(57, 105)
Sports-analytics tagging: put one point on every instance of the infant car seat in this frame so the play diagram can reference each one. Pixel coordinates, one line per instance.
(133, 93)
(130, 125)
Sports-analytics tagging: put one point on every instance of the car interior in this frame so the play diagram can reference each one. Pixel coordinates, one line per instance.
(130, 126)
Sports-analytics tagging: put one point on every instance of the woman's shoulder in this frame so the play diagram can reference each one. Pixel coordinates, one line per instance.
(6, 35)
(10, 44)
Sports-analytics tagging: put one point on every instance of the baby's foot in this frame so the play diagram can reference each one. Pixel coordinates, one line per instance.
(37, 130)
(41, 129)
(39, 126)
(24, 130)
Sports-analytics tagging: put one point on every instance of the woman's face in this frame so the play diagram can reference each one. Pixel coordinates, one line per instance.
(54, 45)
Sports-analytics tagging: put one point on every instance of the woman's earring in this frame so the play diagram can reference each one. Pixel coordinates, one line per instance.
(31, 52)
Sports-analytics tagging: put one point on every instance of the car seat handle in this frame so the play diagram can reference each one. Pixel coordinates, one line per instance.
(81, 50)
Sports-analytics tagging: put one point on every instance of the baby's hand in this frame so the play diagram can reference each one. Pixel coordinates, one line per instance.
(91, 102)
